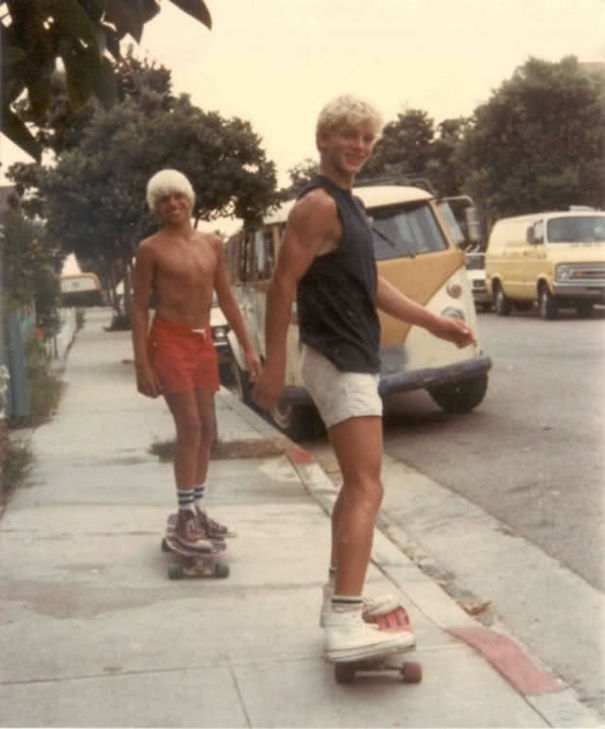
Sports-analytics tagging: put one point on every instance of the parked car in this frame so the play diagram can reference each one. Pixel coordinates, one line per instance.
(554, 259)
(220, 330)
(81, 289)
(475, 266)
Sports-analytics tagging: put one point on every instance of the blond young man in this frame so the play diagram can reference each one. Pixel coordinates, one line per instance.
(175, 357)
(326, 260)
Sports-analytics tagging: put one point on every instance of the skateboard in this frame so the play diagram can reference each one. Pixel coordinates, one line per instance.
(190, 562)
(393, 660)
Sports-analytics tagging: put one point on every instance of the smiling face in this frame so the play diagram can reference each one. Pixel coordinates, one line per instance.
(173, 208)
(345, 149)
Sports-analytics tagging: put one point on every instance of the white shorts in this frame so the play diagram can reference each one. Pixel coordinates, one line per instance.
(339, 395)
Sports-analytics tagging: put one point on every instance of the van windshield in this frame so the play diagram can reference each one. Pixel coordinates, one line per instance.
(405, 231)
(576, 229)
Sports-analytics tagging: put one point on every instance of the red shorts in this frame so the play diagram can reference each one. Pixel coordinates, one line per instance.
(183, 359)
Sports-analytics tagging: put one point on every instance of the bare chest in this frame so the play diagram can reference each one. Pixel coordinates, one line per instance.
(186, 266)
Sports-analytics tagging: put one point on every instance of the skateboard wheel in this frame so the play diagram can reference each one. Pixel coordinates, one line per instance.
(221, 569)
(411, 673)
(165, 547)
(175, 571)
(344, 673)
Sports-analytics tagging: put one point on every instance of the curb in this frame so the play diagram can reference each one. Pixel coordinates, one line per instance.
(554, 700)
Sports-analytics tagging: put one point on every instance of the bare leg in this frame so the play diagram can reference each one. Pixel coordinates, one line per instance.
(358, 446)
(205, 408)
(184, 409)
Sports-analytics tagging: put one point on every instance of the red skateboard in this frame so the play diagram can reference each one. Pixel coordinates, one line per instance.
(410, 671)
(190, 562)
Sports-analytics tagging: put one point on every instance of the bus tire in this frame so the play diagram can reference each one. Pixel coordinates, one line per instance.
(460, 397)
(297, 421)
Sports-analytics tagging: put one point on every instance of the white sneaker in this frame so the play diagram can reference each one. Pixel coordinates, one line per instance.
(349, 638)
(373, 607)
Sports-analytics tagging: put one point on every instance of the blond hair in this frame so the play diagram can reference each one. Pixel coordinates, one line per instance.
(348, 109)
(165, 182)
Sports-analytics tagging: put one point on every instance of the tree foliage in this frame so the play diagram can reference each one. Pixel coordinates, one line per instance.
(412, 149)
(84, 35)
(30, 267)
(539, 142)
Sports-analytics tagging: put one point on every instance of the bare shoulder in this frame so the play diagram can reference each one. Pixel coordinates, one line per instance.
(210, 239)
(148, 246)
(314, 223)
(317, 202)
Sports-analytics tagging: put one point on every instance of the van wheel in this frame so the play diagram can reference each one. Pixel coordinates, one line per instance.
(501, 303)
(297, 421)
(584, 309)
(460, 397)
(547, 304)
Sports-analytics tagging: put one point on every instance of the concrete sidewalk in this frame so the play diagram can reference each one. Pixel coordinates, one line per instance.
(93, 633)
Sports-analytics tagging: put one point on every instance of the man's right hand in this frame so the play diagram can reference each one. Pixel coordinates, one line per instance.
(147, 381)
(268, 388)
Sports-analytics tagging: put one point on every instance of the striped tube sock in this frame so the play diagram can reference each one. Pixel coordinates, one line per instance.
(346, 603)
(185, 499)
(198, 495)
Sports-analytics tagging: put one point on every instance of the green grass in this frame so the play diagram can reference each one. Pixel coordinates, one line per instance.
(45, 388)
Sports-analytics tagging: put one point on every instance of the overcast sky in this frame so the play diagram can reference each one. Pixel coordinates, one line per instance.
(276, 62)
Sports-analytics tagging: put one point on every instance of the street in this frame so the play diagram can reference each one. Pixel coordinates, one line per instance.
(530, 457)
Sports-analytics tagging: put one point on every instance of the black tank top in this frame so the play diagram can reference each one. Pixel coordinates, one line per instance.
(336, 298)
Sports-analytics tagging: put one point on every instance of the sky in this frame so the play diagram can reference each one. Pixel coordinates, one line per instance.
(275, 63)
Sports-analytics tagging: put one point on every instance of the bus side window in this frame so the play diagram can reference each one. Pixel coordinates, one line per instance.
(269, 252)
(245, 258)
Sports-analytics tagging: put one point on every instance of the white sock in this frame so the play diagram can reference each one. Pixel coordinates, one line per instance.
(186, 499)
(198, 495)
(346, 603)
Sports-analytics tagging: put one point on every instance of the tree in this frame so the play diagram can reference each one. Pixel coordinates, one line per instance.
(539, 142)
(404, 148)
(300, 175)
(84, 35)
(93, 199)
(30, 267)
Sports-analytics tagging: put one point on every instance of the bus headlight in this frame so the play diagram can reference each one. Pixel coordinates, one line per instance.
(454, 290)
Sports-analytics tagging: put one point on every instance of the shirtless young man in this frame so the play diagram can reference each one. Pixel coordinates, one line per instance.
(176, 357)
(327, 260)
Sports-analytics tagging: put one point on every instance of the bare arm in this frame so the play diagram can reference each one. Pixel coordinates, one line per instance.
(231, 311)
(147, 382)
(393, 302)
(312, 228)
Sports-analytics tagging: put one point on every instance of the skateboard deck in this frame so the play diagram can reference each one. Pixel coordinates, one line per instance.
(189, 562)
(391, 660)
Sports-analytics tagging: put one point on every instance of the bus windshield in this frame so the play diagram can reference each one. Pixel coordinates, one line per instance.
(405, 231)
(576, 229)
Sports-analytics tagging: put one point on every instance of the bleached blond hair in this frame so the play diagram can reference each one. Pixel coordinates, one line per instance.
(165, 182)
(348, 109)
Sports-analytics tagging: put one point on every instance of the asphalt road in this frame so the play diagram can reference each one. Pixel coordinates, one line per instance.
(532, 454)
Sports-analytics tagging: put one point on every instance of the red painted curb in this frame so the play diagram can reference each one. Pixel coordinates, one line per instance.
(298, 456)
(511, 660)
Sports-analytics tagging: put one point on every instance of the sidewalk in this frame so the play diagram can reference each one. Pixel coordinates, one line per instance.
(93, 633)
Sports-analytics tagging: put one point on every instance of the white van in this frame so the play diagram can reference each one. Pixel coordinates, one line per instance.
(554, 259)
(415, 252)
